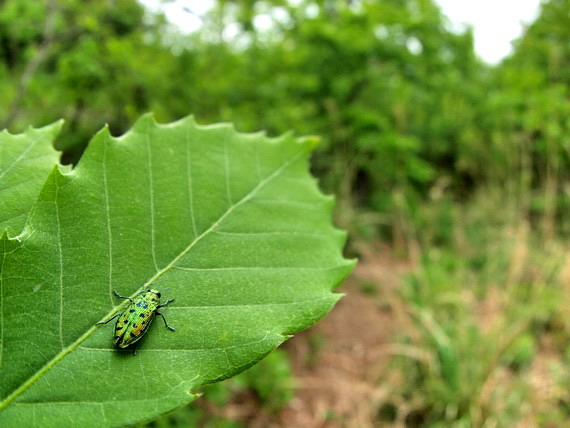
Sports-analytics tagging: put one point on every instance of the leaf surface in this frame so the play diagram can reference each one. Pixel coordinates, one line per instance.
(230, 225)
(25, 161)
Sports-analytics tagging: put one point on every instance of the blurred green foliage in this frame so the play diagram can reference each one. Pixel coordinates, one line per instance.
(462, 166)
(402, 103)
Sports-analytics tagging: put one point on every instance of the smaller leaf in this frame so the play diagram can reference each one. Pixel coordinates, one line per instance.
(25, 162)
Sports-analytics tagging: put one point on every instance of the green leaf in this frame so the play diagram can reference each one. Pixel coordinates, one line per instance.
(231, 225)
(25, 161)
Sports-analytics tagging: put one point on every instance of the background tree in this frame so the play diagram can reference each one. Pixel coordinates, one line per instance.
(457, 166)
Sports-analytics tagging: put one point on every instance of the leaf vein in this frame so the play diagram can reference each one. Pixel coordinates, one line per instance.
(299, 302)
(227, 174)
(94, 403)
(290, 202)
(108, 218)
(230, 268)
(60, 256)
(190, 188)
(151, 201)
(218, 348)
(20, 157)
(270, 233)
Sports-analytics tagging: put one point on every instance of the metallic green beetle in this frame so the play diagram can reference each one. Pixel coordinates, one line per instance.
(134, 321)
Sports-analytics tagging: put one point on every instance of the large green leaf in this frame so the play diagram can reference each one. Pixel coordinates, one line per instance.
(25, 161)
(232, 224)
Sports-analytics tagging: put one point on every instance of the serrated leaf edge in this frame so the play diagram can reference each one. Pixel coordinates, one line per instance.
(144, 121)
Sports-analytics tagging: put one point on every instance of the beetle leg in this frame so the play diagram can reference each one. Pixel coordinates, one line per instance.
(165, 323)
(112, 318)
(164, 304)
(122, 297)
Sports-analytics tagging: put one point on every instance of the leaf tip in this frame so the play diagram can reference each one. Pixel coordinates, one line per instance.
(146, 120)
(349, 265)
(310, 140)
(183, 121)
(104, 132)
(62, 170)
(336, 298)
(53, 128)
(194, 395)
(344, 269)
(340, 236)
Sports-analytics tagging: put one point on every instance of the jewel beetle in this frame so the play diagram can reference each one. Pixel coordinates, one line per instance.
(135, 320)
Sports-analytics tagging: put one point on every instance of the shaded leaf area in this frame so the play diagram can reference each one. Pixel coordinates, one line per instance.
(25, 161)
(230, 225)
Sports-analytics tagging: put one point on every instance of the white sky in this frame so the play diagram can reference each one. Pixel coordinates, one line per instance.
(496, 23)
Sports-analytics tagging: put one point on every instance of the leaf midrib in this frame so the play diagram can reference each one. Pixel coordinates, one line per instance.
(64, 352)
